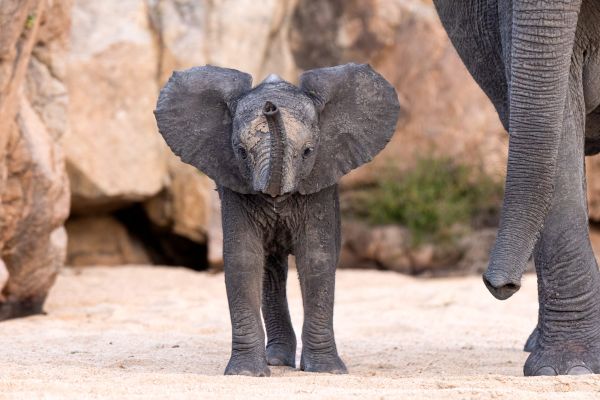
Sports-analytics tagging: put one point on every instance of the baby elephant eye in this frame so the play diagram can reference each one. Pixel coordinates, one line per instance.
(242, 152)
(307, 152)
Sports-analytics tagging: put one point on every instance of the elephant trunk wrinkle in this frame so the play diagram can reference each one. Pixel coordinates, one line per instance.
(278, 140)
(261, 168)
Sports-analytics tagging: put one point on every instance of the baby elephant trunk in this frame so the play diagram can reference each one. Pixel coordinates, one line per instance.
(277, 133)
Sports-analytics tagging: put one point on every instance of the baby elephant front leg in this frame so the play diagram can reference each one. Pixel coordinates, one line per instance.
(243, 274)
(316, 258)
(317, 280)
(243, 258)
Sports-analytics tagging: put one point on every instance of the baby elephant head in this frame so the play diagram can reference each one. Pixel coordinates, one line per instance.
(277, 138)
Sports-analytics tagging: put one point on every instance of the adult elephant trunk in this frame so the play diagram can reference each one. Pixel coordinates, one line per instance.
(542, 36)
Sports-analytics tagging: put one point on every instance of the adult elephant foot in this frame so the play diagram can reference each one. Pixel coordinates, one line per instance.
(564, 360)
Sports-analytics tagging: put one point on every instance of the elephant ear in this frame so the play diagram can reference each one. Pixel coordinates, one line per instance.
(358, 115)
(194, 117)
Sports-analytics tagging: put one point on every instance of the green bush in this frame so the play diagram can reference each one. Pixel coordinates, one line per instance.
(433, 200)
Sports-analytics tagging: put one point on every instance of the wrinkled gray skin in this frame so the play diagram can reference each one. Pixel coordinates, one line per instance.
(539, 63)
(276, 152)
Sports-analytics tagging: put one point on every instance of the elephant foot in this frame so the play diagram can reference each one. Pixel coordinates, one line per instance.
(330, 362)
(532, 341)
(281, 355)
(563, 360)
(248, 364)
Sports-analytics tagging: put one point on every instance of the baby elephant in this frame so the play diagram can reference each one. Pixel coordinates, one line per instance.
(276, 152)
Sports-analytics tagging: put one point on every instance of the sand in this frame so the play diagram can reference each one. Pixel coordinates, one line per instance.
(156, 333)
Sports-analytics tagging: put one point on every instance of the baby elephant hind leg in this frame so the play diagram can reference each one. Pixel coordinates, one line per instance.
(568, 339)
(281, 339)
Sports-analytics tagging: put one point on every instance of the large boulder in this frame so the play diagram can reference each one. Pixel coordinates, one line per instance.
(34, 191)
(114, 153)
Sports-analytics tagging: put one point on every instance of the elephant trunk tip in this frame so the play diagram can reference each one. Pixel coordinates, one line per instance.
(500, 287)
(270, 109)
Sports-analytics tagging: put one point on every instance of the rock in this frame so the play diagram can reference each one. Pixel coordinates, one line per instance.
(476, 248)
(34, 191)
(102, 241)
(181, 28)
(184, 207)
(49, 97)
(356, 251)
(36, 203)
(390, 247)
(196, 33)
(443, 111)
(382, 247)
(215, 232)
(3, 274)
(114, 153)
(190, 207)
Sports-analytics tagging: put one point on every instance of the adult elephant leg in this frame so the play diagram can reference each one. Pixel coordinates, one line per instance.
(532, 340)
(568, 277)
(317, 249)
(243, 259)
(281, 339)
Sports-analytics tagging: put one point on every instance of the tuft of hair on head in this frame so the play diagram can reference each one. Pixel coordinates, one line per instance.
(272, 78)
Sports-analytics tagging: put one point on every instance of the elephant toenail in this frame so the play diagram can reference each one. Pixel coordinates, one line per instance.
(578, 370)
(546, 371)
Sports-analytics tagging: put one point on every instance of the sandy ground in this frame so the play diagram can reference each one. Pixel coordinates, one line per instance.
(155, 333)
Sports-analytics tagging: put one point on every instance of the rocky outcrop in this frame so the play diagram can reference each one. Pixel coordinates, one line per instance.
(34, 191)
(114, 153)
